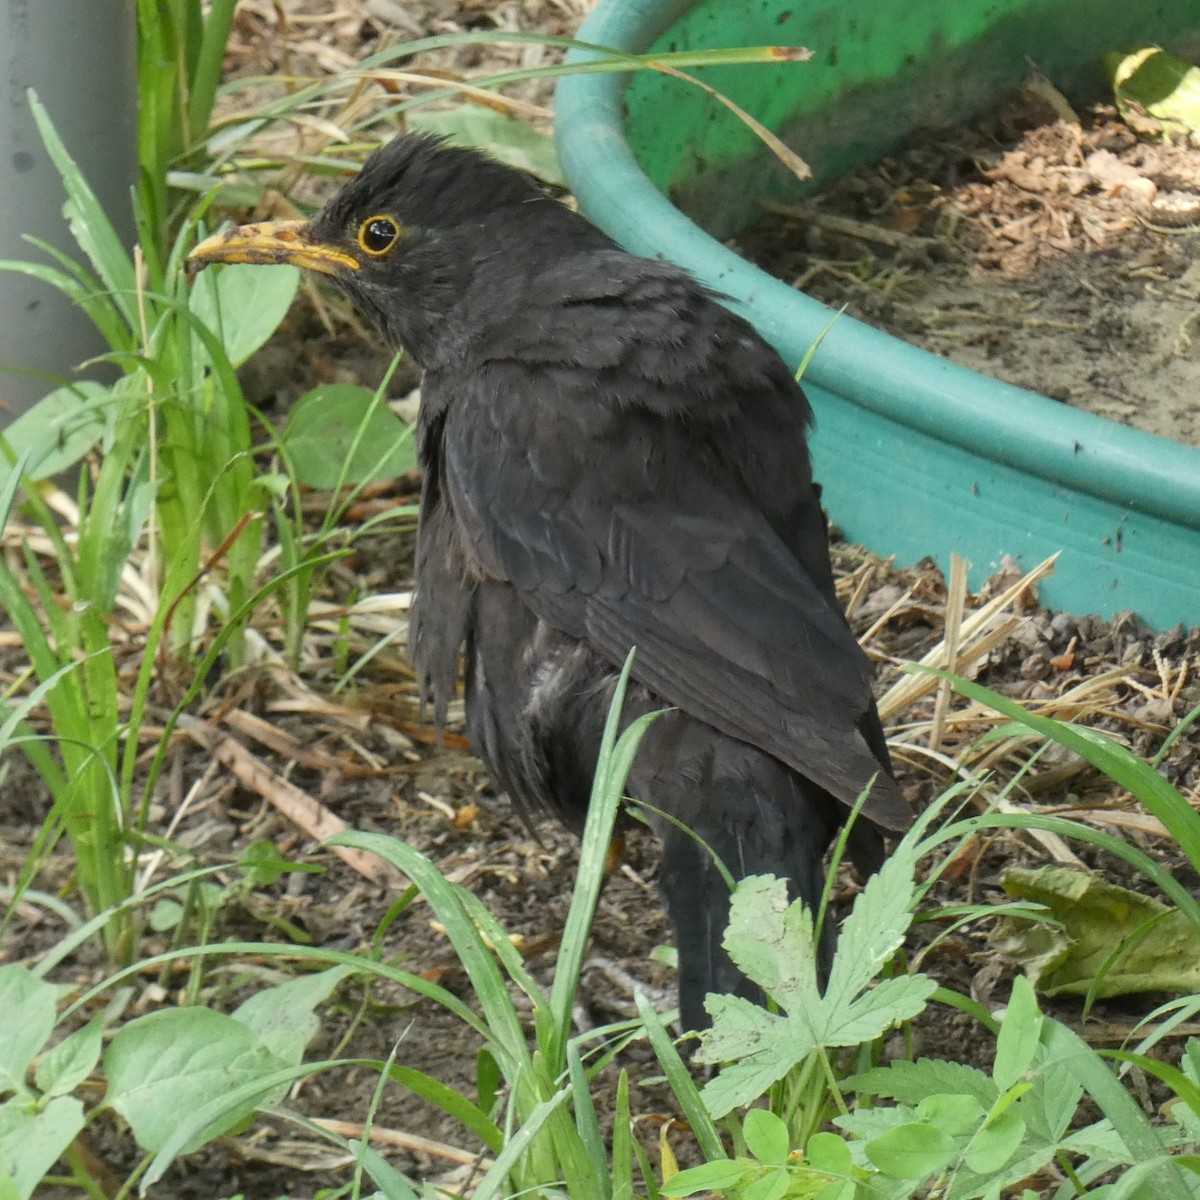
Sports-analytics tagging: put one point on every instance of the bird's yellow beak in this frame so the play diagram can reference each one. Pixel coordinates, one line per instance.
(273, 242)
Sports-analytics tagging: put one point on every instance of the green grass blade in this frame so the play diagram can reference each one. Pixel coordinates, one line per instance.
(704, 1129)
(1119, 764)
(586, 1120)
(206, 68)
(1071, 1053)
(495, 1182)
(452, 1103)
(1077, 831)
(622, 1151)
(89, 224)
(477, 959)
(612, 769)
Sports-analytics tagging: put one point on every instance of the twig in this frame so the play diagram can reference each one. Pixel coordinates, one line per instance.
(956, 597)
(406, 1141)
(894, 239)
(298, 806)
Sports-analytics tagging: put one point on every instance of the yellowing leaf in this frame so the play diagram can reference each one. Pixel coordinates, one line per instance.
(1132, 942)
(1151, 82)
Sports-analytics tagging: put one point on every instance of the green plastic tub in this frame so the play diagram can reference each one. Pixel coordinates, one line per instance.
(917, 456)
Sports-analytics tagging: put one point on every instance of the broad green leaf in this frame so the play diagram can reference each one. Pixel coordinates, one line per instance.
(177, 1061)
(243, 304)
(992, 1147)
(59, 429)
(1096, 919)
(707, 1177)
(911, 1082)
(1017, 1042)
(1049, 1109)
(913, 1151)
(284, 1018)
(866, 1124)
(166, 914)
(766, 1136)
(839, 1189)
(1142, 1140)
(771, 941)
(828, 1152)
(323, 428)
(33, 1139)
(28, 1007)
(67, 1065)
(503, 138)
(770, 1186)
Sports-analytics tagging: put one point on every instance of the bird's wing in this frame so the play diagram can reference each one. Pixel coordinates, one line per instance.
(608, 525)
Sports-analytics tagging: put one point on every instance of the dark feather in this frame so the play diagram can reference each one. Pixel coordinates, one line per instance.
(613, 460)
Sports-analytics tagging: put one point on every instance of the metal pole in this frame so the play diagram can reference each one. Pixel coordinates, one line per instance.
(80, 56)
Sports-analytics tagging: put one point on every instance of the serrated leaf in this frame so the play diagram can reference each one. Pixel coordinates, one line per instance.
(323, 429)
(875, 928)
(1017, 1041)
(887, 1004)
(766, 1136)
(1029, 1161)
(911, 1082)
(913, 1151)
(866, 1124)
(33, 1139)
(758, 1047)
(500, 136)
(953, 1114)
(65, 1066)
(992, 1147)
(177, 1061)
(1099, 1141)
(771, 942)
(243, 304)
(27, 1003)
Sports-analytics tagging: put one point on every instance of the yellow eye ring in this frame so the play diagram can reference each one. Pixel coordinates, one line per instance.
(377, 235)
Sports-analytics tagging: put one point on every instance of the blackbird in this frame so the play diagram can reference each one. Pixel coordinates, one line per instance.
(610, 459)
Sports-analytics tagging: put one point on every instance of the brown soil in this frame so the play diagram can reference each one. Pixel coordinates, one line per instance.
(1058, 255)
(439, 801)
(380, 772)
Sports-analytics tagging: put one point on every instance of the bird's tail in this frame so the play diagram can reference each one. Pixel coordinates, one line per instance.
(726, 799)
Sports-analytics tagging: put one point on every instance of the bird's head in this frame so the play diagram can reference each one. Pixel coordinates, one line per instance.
(404, 238)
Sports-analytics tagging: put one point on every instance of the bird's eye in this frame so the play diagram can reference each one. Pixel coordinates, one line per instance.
(377, 235)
